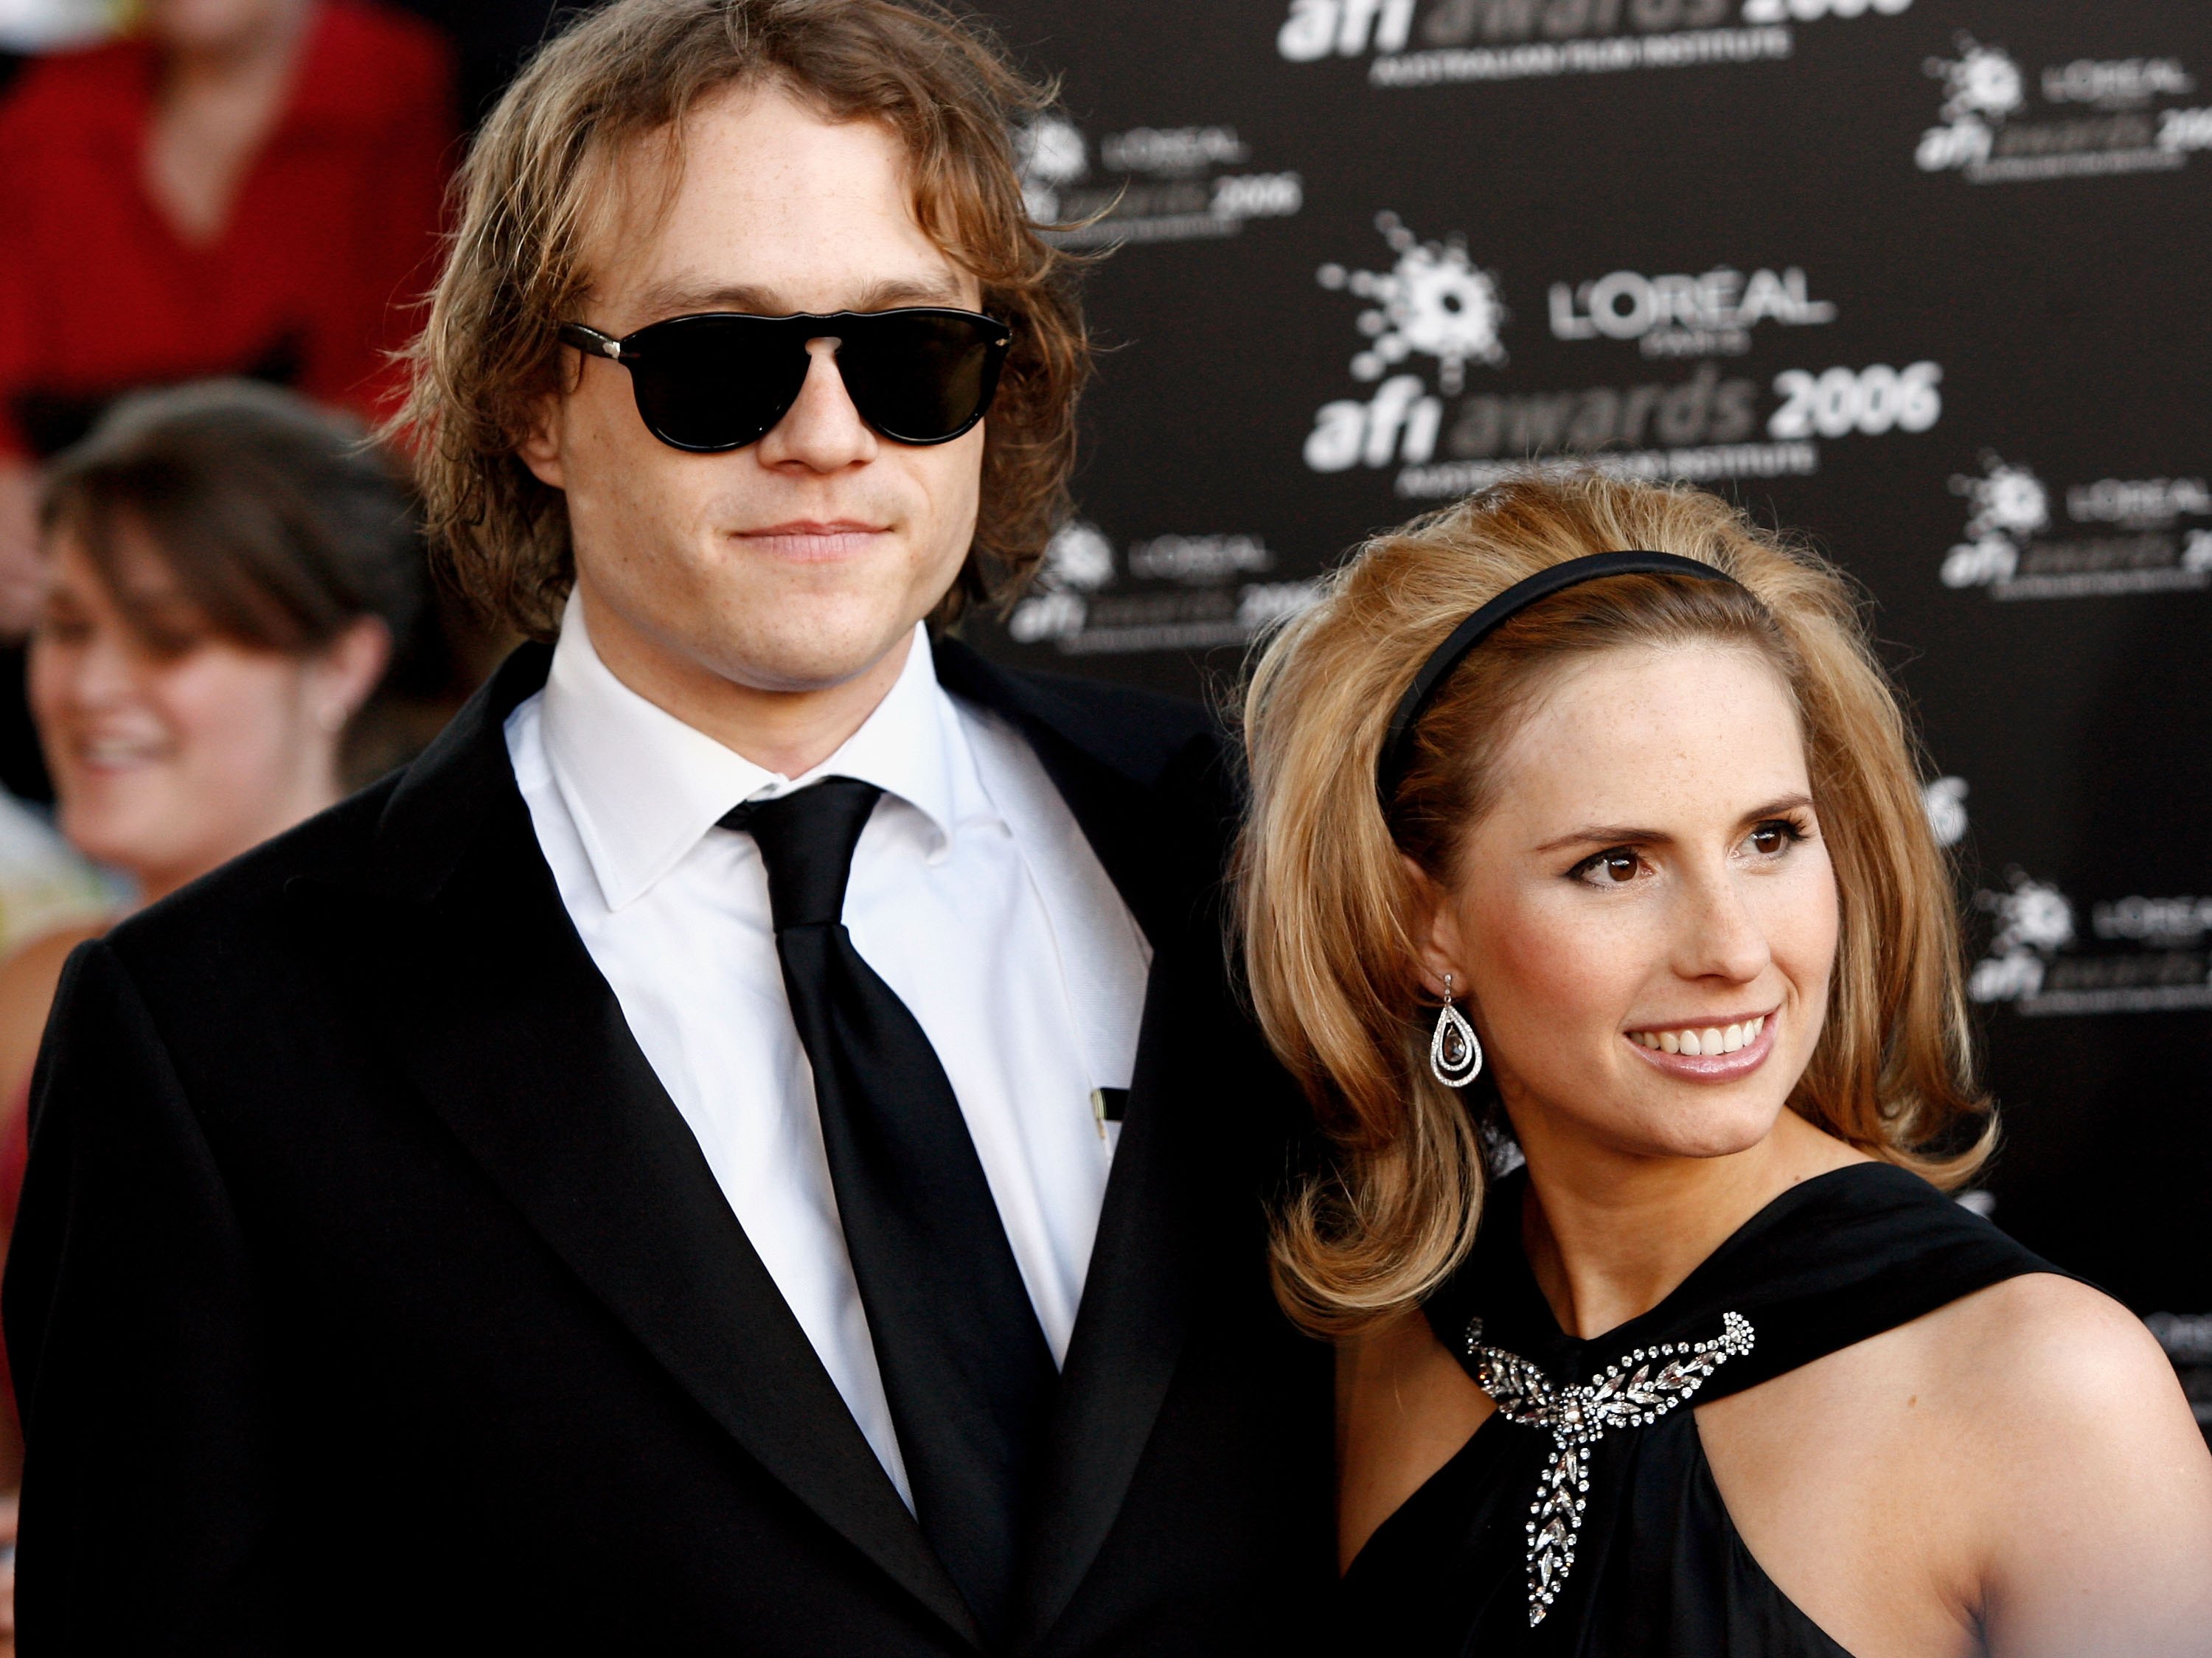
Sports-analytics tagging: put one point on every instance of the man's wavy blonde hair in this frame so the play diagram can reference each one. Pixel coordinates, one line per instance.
(1330, 911)
(535, 190)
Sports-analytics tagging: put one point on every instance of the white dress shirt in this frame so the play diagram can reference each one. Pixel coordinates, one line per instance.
(974, 894)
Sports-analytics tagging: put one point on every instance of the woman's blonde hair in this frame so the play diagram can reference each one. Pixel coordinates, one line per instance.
(535, 192)
(1329, 910)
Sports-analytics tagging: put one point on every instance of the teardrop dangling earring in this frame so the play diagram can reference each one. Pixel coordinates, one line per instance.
(1455, 1051)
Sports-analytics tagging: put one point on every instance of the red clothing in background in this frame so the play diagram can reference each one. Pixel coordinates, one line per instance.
(334, 220)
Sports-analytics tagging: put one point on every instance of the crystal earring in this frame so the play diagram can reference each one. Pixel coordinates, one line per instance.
(1455, 1051)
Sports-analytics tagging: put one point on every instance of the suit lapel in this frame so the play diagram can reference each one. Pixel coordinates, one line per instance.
(1128, 1335)
(1146, 818)
(489, 1001)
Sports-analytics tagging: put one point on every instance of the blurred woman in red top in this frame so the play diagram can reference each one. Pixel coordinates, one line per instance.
(242, 188)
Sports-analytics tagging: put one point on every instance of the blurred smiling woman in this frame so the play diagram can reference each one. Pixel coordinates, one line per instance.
(227, 571)
(1586, 827)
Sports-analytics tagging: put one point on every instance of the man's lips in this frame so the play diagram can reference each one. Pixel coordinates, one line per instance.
(814, 538)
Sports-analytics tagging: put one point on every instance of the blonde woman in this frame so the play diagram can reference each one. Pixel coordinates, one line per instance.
(1585, 828)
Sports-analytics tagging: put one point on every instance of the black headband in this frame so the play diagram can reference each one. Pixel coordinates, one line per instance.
(1390, 765)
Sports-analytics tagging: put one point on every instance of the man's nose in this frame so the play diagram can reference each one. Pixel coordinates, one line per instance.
(822, 431)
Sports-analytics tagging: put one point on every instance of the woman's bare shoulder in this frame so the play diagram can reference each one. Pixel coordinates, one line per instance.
(2060, 1395)
(2041, 1343)
(2085, 1468)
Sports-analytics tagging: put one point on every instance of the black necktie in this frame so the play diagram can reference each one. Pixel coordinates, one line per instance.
(966, 1368)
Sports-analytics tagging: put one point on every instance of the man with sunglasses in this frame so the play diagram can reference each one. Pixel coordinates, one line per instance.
(748, 1144)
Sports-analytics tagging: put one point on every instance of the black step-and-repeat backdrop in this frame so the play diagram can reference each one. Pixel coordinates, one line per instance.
(1927, 279)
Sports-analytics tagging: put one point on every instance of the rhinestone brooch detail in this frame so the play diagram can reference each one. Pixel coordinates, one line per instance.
(1635, 1392)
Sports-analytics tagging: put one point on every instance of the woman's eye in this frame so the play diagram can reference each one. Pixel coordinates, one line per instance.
(1616, 868)
(1769, 839)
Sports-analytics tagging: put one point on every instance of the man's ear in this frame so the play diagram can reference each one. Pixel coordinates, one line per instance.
(540, 448)
(1436, 931)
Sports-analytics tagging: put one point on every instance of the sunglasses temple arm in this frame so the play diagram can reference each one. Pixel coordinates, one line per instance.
(591, 341)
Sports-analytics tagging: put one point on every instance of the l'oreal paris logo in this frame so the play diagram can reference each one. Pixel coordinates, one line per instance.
(1685, 315)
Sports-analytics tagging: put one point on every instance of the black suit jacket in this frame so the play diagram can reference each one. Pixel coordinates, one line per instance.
(369, 1292)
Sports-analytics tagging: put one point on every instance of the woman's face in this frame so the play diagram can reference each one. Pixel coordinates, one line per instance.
(1645, 922)
(167, 764)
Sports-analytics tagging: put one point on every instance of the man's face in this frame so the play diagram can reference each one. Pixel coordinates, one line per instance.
(801, 561)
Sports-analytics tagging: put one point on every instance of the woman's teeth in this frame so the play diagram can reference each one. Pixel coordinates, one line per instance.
(115, 752)
(1712, 1039)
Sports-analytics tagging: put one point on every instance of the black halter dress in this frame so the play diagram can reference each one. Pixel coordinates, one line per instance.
(1582, 1519)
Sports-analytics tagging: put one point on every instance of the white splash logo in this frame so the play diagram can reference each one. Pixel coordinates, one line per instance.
(1051, 154)
(1435, 301)
(1079, 560)
(2035, 921)
(1944, 799)
(1982, 81)
(2008, 500)
(1984, 87)
(2010, 505)
(1079, 557)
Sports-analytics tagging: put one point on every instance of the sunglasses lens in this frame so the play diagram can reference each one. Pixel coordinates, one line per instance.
(715, 383)
(921, 377)
(720, 382)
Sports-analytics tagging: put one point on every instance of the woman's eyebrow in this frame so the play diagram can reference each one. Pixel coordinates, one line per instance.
(1781, 808)
(1628, 835)
(1607, 835)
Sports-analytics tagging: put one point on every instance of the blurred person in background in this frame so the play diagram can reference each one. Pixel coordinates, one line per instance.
(237, 188)
(228, 571)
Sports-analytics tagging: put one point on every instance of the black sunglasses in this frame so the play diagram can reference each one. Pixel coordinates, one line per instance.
(722, 380)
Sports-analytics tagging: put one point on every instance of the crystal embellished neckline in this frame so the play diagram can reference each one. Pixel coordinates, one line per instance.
(1628, 1394)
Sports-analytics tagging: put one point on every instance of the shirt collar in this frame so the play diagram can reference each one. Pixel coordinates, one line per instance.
(644, 787)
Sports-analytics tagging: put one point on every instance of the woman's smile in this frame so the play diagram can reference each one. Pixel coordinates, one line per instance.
(1715, 1051)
